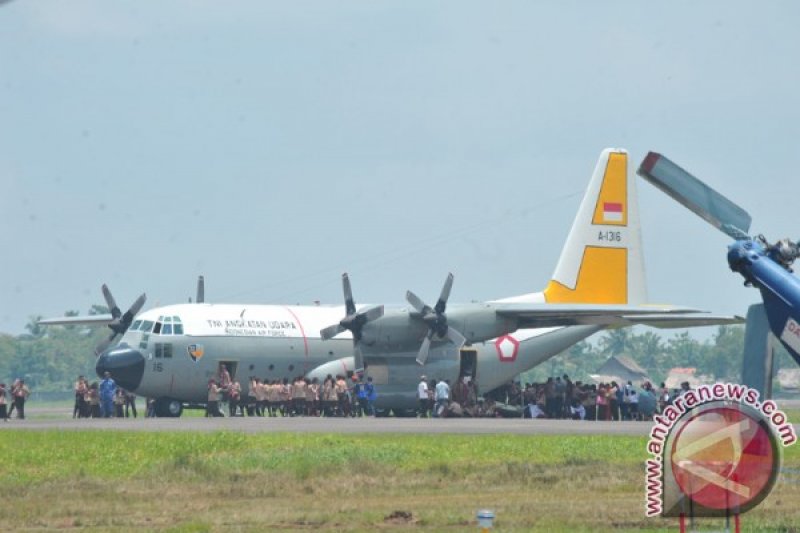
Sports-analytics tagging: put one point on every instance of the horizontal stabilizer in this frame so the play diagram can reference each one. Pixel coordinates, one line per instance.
(532, 315)
(695, 195)
(91, 320)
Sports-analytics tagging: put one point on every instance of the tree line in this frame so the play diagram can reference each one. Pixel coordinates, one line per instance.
(49, 358)
(720, 357)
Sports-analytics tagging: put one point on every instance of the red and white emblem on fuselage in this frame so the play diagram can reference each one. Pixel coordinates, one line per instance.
(507, 348)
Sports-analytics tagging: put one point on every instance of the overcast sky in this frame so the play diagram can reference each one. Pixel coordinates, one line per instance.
(272, 146)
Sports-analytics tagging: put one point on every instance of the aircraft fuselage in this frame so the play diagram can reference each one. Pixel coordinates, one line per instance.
(172, 352)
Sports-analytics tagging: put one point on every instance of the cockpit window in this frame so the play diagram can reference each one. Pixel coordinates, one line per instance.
(135, 325)
(166, 325)
(147, 326)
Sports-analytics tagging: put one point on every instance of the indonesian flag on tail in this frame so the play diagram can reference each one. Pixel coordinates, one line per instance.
(612, 212)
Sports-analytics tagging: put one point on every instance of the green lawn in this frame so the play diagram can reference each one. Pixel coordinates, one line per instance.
(283, 481)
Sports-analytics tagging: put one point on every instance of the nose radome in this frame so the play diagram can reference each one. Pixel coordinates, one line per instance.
(125, 364)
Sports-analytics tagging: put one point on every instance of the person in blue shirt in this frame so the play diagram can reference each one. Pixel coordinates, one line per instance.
(371, 395)
(442, 398)
(360, 392)
(108, 388)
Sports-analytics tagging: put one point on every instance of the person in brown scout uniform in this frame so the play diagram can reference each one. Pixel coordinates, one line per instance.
(11, 393)
(299, 396)
(212, 407)
(343, 407)
(94, 401)
(312, 397)
(328, 396)
(261, 396)
(21, 394)
(119, 403)
(286, 397)
(80, 389)
(252, 400)
(224, 381)
(234, 396)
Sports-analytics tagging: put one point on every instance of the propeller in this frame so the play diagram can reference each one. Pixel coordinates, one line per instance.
(353, 321)
(121, 321)
(711, 206)
(436, 320)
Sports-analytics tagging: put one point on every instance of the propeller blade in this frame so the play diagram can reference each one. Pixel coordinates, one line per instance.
(417, 303)
(456, 337)
(331, 331)
(442, 303)
(103, 345)
(358, 358)
(137, 305)
(696, 196)
(110, 302)
(127, 318)
(424, 350)
(201, 290)
(373, 313)
(349, 304)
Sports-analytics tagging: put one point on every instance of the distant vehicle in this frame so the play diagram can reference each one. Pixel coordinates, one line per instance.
(764, 265)
(169, 353)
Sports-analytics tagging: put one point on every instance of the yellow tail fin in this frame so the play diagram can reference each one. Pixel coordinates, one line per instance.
(602, 259)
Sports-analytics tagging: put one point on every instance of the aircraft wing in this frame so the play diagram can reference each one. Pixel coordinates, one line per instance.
(91, 320)
(684, 321)
(531, 315)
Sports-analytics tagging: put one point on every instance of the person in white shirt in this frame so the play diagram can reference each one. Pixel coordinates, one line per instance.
(633, 404)
(577, 410)
(422, 396)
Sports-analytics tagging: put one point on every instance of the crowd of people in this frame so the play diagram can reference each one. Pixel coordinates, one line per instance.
(560, 397)
(354, 395)
(556, 398)
(438, 399)
(335, 396)
(102, 400)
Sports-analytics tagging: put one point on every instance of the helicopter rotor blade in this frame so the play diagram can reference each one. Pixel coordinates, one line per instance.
(696, 196)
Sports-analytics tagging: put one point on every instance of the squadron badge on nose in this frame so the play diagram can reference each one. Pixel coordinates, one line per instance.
(195, 352)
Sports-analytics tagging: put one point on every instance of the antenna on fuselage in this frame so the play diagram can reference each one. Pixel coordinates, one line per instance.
(201, 290)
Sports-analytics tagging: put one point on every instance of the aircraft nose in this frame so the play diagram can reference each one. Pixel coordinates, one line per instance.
(125, 364)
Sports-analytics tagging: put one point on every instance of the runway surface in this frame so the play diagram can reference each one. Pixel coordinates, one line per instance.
(341, 425)
(59, 419)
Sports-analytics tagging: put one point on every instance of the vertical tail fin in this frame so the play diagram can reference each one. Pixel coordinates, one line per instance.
(602, 259)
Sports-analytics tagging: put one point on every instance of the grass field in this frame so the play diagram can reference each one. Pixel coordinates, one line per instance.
(127, 481)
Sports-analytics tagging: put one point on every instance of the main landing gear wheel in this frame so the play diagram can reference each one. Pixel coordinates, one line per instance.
(168, 408)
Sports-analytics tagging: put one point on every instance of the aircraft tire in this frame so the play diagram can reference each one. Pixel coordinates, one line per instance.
(168, 408)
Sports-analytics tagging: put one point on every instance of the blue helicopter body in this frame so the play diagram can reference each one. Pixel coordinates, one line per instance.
(780, 289)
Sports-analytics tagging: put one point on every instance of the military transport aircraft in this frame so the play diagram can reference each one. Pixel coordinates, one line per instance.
(170, 352)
